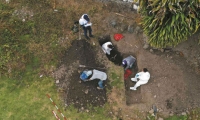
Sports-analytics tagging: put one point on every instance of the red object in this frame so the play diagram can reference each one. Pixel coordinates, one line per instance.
(127, 73)
(118, 36)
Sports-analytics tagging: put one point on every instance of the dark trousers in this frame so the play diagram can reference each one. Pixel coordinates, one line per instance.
(85, 29)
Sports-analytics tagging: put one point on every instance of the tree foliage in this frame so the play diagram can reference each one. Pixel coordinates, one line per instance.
(169, 22)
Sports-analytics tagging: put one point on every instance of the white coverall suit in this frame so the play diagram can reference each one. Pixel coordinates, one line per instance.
(143, 79)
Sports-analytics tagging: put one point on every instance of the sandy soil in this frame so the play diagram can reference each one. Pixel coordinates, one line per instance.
(175, 73)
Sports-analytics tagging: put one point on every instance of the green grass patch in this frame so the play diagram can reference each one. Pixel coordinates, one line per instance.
(116, 80)
(25, 98)
(177, 118)
(116, 77)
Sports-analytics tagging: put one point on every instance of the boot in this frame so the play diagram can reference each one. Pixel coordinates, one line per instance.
(133, 88)
(134, 79)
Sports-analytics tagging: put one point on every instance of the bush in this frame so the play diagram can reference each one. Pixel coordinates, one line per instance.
(169, 22)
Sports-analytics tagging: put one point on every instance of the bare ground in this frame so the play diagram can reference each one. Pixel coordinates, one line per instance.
(175, 73)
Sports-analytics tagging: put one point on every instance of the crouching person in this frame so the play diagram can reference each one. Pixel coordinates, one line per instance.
(88, 75)
(128, 62)
(141, 78)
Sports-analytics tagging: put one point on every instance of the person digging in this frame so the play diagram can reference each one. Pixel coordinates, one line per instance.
(88, 75)
(128, 62)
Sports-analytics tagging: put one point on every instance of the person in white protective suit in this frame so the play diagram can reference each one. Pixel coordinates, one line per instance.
(141, 78)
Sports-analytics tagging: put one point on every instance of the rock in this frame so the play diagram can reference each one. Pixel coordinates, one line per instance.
(86, 91)
(154, 96)
(151, 50)
(171, 114)
(162, 50)
(57, 81)
(151, 111)
(145, 38)
(160, 118)
(7, 1)
(87, 111)
(146, 46)
(158, 84)
(123, 27)
(130, 29)
(183, 113)
(113, 23)
(130, 1)
(137, 30)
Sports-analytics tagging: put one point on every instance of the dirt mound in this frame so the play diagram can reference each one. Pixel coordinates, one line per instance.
(80, 56)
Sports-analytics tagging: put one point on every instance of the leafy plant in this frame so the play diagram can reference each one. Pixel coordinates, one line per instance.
(169, 22)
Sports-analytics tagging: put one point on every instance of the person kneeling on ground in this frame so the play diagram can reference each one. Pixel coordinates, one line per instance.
(88, 75)
(107, 47)
(143, 77)
(128, 62)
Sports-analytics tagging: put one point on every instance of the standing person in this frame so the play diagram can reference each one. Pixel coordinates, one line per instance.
(128, 62)
(88, 75)
(143, 77)
(107, 47)
(84, 21)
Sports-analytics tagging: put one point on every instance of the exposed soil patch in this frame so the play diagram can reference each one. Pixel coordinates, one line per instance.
(174, 83)
(76, 92)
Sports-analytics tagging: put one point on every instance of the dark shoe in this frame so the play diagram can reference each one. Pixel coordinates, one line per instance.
(91, 35)
(87, 37)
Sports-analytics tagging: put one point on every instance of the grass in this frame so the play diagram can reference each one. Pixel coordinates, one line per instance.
(115, 77)
(25, 98)
(178, 118)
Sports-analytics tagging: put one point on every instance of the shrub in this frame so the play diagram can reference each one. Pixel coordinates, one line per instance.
(169, 22)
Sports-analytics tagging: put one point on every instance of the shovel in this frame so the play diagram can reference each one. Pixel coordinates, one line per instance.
(83, 66)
